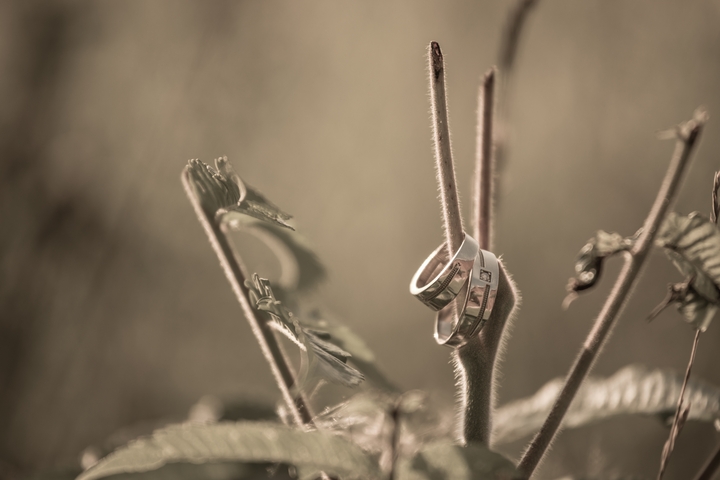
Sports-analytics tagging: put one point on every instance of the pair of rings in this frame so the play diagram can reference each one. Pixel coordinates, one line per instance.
(461, 289)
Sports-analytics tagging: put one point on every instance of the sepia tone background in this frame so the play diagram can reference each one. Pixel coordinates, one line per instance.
(113, 309)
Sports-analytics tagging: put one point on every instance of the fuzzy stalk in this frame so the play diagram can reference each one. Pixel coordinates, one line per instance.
(681, 413)
(443, 151)
(476, 361)
(688, 135)
(259, 324)
(484, 163)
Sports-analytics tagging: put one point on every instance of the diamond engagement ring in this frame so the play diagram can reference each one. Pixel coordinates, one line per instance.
(466, 316)
(438, 280)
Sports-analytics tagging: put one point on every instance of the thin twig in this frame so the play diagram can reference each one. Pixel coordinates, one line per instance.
(484, 165)
(711, 467)
(443, 151)
(511, 34)
(676, 291)
(680, 413)
(234, 271)
(476, 359)
(634, 261)
(715, 206)
(395, 414)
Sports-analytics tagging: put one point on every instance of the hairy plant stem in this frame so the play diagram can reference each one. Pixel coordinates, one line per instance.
(259, 323)
(711, 467)
(476, 364)
(715, 205)
(476, 359)
(443, 151)
(484, 164)
(614, 304)
(680, 413)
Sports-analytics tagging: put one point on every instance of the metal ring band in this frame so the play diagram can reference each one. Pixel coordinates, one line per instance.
(474, 304)
(438, 280)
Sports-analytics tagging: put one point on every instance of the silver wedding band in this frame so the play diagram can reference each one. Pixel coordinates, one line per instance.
(463, 318)
(438, 281)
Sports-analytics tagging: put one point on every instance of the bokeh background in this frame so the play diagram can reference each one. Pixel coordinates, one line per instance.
(113, 309)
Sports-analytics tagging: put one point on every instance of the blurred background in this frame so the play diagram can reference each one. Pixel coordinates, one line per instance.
(113, 308)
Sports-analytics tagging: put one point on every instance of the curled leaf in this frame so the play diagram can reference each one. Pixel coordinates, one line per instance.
(224, 196)
(214, 190)
(247, 442)
(251, 202)
(589, 263)
(341, 335)
(633, 390)
(318, 352)
(693, 244)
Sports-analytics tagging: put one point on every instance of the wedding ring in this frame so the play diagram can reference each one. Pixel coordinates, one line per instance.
(438, 280)
(473, 305)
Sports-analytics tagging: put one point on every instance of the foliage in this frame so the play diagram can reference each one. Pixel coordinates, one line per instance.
(633, 390)
(247, 442)
(693, 244)
(379, 431)
(226, 199)
(225, 196)
(589, 263)
(446, 461)
(316, 345)
(230, 450)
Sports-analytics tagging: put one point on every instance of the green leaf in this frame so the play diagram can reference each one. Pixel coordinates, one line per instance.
(317, 352)
(247, 442)
(633, 390)
(453, 462)
(693, 244)
(224, 196)
(589, 263)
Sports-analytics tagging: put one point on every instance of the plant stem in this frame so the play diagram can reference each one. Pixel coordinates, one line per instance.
(711, 467)
(476, 359)
(234, 271)
(443, 151)
(715, 206)
(484, 165)
(677, 424)
(687, 138)
(475, 367)
(511, 34)
(510, 38)
(395, 413)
